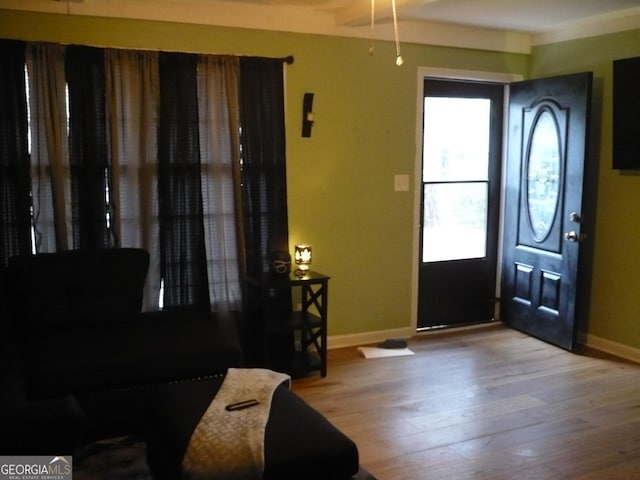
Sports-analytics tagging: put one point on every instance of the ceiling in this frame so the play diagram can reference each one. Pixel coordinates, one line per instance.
(528, 16)
(497, 25)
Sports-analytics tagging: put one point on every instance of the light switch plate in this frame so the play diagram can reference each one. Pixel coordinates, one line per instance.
(401, 182)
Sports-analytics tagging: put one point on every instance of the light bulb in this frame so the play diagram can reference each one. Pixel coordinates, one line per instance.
(399, 60)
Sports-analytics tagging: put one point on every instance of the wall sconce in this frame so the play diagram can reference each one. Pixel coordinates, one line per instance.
(307, 114)
(302, 258)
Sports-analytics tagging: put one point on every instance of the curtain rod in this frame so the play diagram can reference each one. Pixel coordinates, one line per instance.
(288, 59)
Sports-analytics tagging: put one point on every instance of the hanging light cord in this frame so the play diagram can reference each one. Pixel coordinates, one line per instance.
(373, 15)
(399, 60)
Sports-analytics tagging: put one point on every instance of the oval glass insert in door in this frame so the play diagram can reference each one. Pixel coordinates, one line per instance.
(543, 175)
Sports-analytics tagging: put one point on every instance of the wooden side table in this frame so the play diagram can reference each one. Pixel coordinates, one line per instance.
(306, 323)
(311, 319)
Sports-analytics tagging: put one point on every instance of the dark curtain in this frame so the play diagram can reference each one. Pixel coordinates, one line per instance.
(182, 247)
(15, 220)
(264, 176)
(88, 154)
(264, 194)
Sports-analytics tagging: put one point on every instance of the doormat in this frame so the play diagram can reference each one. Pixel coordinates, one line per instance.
(376, 352)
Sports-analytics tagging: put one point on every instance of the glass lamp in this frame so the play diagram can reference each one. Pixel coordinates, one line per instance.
(302, 258)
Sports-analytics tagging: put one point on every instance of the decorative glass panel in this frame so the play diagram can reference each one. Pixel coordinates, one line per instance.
(543, 175)
(455, 221)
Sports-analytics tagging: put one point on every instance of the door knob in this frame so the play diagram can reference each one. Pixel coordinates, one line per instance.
(573, 236)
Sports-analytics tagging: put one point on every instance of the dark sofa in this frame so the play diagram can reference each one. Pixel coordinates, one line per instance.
(77, 330)
(81, 362)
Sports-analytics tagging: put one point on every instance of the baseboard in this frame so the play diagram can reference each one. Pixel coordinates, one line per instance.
(367, 338)
(613, 348)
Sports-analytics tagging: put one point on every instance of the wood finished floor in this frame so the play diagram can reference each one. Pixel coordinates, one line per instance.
(489, 403)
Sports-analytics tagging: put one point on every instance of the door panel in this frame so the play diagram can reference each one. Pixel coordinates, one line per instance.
(546, 158)
(460, 202)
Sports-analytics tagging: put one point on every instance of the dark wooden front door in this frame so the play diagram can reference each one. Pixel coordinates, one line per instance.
(544, 218)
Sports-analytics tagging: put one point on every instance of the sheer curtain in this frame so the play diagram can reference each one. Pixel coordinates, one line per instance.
(132, 92)
(50, 181)
(220, 156)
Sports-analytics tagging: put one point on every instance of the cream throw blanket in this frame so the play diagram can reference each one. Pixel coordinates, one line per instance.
(230, 445)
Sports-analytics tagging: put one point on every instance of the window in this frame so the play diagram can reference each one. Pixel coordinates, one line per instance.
(455, 178)
(83, 167)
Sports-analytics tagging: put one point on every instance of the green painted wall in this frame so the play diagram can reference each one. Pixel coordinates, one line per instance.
(615, 309)
(340, 181)
(341, 196)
